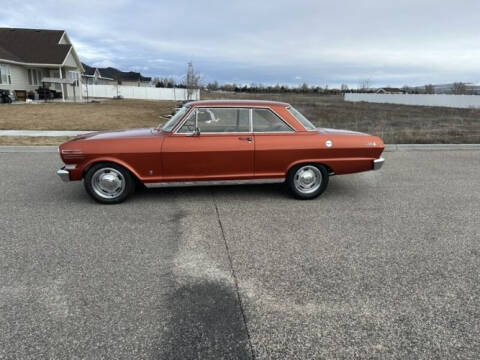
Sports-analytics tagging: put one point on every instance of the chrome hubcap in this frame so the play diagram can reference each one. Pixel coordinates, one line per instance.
(108, 183)
(307, 179)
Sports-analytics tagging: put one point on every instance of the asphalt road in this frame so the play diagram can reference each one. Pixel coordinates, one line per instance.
(384, 265)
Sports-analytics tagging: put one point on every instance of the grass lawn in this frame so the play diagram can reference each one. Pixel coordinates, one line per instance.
(399, 124)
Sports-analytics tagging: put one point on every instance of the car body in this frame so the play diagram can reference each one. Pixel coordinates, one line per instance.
(219, 142)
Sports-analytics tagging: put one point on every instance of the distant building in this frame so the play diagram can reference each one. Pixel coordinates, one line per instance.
(93, 76)
(389, 90)
(111, 75)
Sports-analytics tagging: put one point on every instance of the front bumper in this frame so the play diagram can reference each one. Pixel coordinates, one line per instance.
(64, 174)
(378, 163)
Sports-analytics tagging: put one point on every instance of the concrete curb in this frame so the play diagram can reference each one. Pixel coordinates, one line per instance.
(388, 148)
(28, 149)
(430, 147)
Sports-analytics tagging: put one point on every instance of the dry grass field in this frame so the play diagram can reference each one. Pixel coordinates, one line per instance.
(105, 115)
(394, 123)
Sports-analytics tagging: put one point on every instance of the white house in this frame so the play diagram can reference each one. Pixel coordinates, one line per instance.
(94, 76)
(29, 58)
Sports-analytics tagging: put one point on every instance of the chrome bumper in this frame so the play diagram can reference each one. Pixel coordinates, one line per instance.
(378, 163)
(64, 174)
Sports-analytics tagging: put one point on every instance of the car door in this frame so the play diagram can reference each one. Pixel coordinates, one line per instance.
(223, 148)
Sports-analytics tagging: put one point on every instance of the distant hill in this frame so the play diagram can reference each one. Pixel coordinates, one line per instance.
(116, 74)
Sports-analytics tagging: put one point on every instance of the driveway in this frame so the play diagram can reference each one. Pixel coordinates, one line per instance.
(384, 265)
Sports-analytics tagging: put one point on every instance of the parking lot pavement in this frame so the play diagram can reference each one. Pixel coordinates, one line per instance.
(385, 264)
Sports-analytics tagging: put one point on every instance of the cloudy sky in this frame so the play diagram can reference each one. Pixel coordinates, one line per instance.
(288, 42)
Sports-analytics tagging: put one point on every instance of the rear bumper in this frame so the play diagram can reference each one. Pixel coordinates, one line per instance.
(64, 174)
(378, 163)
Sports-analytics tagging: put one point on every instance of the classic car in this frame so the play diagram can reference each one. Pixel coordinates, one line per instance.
(218, 143)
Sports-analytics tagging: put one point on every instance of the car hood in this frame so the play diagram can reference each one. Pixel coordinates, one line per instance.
(339, 132)
(118, 134)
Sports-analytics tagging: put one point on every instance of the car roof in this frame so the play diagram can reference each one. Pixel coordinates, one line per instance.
(237, 103)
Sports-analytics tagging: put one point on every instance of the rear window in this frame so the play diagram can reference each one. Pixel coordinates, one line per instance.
(266, 121)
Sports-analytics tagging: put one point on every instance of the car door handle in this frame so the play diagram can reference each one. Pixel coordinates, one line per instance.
(247, 138)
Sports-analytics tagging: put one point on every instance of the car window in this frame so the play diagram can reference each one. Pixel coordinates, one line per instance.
(174, 119)
(265, 120)
(218, 120)
(189, 124)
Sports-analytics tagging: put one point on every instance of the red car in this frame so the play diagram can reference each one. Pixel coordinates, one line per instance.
(218, 143)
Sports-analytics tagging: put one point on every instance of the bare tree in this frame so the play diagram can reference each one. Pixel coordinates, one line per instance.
(192, 81)
(213, 86)
(344, 88)
(459, 88)
(364, 85)
(304, 88)
(429, 89)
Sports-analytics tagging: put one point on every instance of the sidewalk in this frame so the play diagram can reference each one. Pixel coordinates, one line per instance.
(41, 133)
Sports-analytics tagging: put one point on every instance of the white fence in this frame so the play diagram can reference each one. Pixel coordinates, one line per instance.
(138, 92)
(455, 101)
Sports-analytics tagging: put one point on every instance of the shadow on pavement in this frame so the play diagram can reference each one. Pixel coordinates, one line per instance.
(205, 323)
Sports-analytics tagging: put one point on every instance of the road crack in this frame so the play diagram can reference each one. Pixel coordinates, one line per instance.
(234, 276)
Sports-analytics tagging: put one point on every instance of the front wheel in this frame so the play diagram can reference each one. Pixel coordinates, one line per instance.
(307, 181)
(109, 183)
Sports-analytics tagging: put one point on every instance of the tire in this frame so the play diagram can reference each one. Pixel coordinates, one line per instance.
(307, 181)
(109, 183)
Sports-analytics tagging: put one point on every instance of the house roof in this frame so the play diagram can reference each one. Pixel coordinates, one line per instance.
(33, 46)
(112, 73)
(89, 71)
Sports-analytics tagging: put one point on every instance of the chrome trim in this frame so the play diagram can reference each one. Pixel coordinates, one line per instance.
(108, 183)
(307, 179)
(213, 182)
(64, 174)
(70, 166)
(378, 163)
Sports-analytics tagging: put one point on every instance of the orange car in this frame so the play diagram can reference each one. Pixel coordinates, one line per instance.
(219, 143)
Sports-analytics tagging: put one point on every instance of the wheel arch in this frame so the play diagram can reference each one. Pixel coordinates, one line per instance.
(111, 160)
(310, 161)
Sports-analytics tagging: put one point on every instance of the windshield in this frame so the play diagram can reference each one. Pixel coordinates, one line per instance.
(174, 119)
(302, 119)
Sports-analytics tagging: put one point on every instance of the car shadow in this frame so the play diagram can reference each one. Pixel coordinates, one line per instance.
(204, 322)
(235, 191)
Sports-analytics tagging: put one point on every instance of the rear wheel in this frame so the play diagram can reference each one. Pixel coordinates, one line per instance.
(109, 183)
(307, 181)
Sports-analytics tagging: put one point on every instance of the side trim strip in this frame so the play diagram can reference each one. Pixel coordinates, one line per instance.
(213, 182)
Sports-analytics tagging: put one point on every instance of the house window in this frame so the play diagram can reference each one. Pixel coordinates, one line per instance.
(35, 76)
(73, 75)
(5, 76)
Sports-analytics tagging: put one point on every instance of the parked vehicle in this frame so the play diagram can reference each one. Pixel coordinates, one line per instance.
(46, 93)
(219, 143)
(5, 97)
